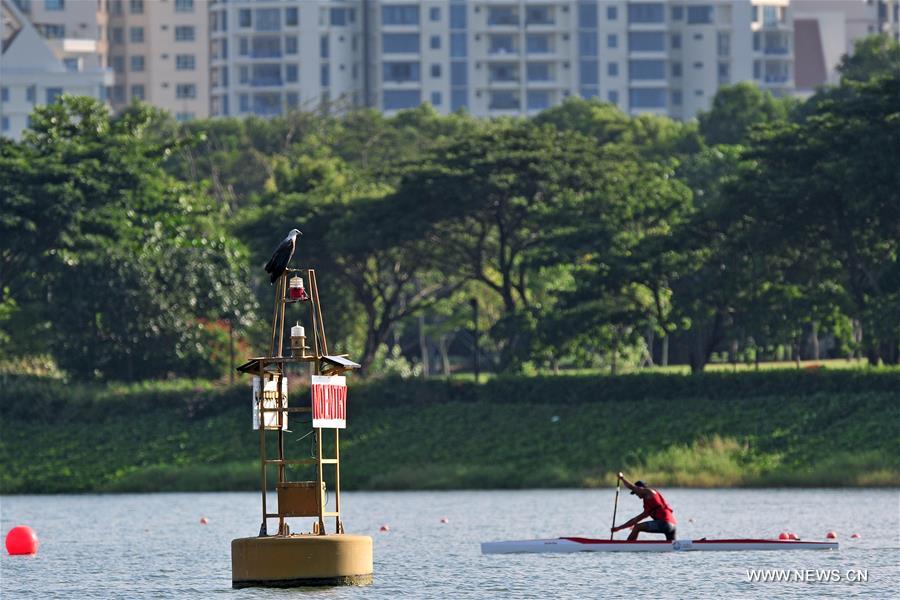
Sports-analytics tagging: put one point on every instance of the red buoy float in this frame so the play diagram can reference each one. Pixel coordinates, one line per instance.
(793, 536)
(204, 521)
(445, 520)
(21, 540)
(384, 528)
(855, 536)
(831, 535)
(784, 535)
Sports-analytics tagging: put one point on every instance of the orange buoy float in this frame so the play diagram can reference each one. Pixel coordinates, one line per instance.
(21, 540)
(204, 520)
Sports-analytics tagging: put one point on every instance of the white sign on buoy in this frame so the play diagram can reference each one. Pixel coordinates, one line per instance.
(329, 401)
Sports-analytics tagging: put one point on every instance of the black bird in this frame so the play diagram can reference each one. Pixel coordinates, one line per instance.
(282, 256)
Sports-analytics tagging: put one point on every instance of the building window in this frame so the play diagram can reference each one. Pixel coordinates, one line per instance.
(54, 32)
(137, 92)
(538, 100)
(700, 15)
(676, 41)
(587, 15)
(184, 33)
(116, 35)
(31, 94)
(502, 44)
(435, 98)
(324, 50)
(538, 44)
(538, 72)
(54, 4)
(459, 99)
(400, 72)
(434, 13)
(136, 35)
(185, 62)
(646, 69)
(458, 45)
(612, 13)
(185, 90)
(435, 42)
(290, 45)
(588, 72)
(400, 43)
(646, 12)
(118, 63)
(291, 73)
(676, 69)
(457, 19)
(53, 93)
(339, 17)
(503, 15)
(4, 94)
(504, 100)
(244, 102)
(459, 74)
(589, 91)
(613, 96)
(435, 70)
(647, 97)
(612, 69)
(698, 65)
(184, 5)
(292, 99)
(244, 18)
(394, 14)
(724, 73)
(136, 7)
(678, 13)
(5, 124)
(504, 72)
(587, 43)
(400, 99)
(73, 65)
(538, 15)
(324, 76)
(181, 117)
(723, 43)
(244, 47)
(291, 17)
(137, 63)
(646, 41)
(676, 97)
(612, 40)
(267, 19)
(115, 7)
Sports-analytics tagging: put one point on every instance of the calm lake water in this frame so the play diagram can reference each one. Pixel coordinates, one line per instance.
(153, 545)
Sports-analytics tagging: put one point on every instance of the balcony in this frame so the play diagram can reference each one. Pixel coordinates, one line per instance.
(777, 50)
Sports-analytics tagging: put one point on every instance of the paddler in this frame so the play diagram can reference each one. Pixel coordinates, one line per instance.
(655, 507)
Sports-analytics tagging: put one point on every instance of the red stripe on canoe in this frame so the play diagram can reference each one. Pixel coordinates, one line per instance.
(580, 540)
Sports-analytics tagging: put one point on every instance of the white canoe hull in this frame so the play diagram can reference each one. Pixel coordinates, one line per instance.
(575, 544)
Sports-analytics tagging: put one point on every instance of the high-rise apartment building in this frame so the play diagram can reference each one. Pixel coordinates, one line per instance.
(47, 52)
(159, 52)
(271, 56)
(517, 57)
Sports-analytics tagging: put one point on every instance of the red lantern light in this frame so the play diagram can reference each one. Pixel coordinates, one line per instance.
(297, 292)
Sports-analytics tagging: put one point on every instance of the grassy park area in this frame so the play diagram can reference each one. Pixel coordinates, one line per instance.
(831, 427)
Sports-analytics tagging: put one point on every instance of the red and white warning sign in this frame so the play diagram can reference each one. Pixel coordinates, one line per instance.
(329, 401)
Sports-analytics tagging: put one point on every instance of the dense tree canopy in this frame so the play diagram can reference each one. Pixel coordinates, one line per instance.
(585, 236)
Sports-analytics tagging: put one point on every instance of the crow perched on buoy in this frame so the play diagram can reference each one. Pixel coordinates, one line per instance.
(282, 256)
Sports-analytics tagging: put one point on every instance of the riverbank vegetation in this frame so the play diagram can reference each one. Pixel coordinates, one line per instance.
(131, 247)
(793, 428)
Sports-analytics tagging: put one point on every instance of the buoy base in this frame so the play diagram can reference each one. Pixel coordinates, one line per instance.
(301, 561)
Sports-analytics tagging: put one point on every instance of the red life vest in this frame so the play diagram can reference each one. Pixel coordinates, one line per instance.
(658, 508)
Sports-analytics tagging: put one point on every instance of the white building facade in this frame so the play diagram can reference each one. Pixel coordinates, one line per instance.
(35, 70)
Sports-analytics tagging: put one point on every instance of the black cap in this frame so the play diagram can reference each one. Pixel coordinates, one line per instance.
(639, 484)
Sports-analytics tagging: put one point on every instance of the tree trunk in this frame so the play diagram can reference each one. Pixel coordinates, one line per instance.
(443, 343)
(814, 339)
(423, 347)
(664, 359)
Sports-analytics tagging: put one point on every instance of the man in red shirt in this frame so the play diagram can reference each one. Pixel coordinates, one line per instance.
(655, 507)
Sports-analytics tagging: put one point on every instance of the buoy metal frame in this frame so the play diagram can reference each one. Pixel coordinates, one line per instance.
(317, 558)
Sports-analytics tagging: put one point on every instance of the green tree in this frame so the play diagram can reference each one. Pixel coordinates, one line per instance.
(737, 108)
(873, 56)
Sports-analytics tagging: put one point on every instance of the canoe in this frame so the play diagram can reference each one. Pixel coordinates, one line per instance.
(580, 544)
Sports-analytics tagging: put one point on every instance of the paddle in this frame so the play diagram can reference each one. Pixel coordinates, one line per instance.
(615, 507)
